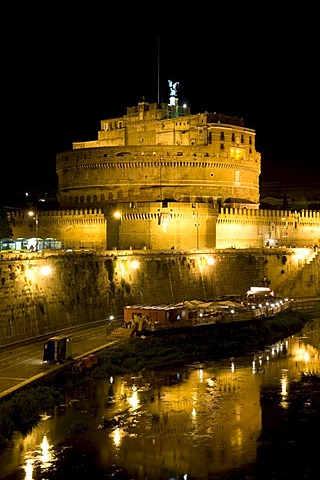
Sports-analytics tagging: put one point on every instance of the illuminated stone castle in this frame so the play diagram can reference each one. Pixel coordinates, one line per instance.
(160, 178)
(162, 152)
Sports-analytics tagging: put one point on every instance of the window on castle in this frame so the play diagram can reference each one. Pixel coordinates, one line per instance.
(164, 218)
(250, 150)
(210, 137)
(242, 139)
(233, 137)
(250, 140)
(221, 146)
(222, 136)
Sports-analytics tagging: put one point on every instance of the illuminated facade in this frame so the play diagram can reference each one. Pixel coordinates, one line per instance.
(165, 173)
(159, 178)
(160, 152)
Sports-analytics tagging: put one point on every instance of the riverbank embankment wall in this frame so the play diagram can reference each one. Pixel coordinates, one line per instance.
(43, 293)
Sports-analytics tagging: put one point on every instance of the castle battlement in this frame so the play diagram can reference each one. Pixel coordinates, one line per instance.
(23, 214)
(304, 216)
(166, 225)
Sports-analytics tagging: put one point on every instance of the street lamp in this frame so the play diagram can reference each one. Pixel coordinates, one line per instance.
(117, 215)
(115, 231)
(35, 216)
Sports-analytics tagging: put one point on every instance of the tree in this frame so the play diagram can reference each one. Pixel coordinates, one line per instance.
(5, 228)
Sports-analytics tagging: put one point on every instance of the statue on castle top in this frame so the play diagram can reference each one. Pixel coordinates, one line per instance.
(173, 88)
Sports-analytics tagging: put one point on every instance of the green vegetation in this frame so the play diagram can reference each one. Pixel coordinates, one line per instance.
(205, 343)
(23, 411)
(5, 228)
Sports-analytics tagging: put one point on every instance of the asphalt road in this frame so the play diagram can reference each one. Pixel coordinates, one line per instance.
(22, 364)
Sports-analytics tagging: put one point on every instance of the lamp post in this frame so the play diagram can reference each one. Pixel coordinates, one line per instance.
(195, 216)
(34, 215)
(118, 218)
(197, 226)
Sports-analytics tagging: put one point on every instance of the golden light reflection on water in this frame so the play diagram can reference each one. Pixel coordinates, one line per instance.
(117, 436)
(28, 469)
(194, 421)
(134, 399)
(34, 456)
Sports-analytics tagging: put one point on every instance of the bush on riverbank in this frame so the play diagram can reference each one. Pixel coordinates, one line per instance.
(207, 342)
(23, 411)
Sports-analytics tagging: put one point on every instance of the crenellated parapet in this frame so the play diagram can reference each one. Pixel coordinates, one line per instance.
(169, 224)
(81, 212)
(254, 228)
(303, 215)
(161, 225)
(74, 228)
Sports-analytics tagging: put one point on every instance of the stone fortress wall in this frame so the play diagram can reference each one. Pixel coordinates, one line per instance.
(74, 228)
(95, 177)
(163, 225)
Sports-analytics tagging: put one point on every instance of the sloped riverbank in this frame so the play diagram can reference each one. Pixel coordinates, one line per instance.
(208, 342)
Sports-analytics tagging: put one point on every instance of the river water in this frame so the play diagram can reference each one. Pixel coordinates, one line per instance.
(197, 422)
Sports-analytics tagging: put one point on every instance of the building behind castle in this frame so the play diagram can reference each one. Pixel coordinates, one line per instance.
(161, 178)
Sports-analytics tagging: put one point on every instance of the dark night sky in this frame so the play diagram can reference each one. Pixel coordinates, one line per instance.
(63, 72)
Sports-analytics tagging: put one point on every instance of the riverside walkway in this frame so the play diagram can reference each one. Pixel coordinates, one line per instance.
(20, 365)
